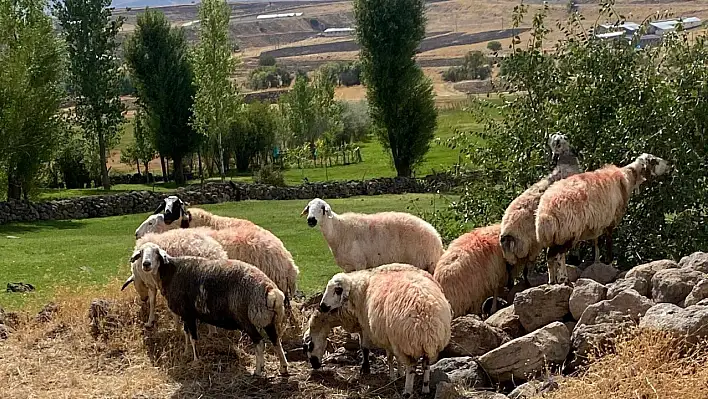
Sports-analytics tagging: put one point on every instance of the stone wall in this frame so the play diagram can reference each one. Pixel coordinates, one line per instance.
(211, 193)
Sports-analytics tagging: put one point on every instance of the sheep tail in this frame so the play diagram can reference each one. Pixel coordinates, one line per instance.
(275, 301)
(508, 243)
(127, 282)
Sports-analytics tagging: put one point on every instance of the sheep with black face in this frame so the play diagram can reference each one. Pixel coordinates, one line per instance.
(362, 241)
(225, 293)
(399, 308)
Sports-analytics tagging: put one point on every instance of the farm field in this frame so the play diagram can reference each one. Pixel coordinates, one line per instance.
(89, 253)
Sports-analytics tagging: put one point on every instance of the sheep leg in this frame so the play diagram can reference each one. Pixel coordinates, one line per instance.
(426, 375)
(410, 377)
(260, 358)
(151, 317)
(551, 268)
(278, 348)
(608, 245)
(391, 369)
(365, 365)
(562, 269)
(186, 342)
(190, 329)
(596, 251)
(212, 330)
(526, 276)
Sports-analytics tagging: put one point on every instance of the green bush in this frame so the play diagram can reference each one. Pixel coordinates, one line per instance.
(494, 46)
(266, 60)
(614, 102)
(268, 77)
(269, 175)
(343, 73)
(475, 66)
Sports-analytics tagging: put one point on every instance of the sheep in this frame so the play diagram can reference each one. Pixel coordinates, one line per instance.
(249, 243)
(176, 243)
(587, 205)
(400, 308)
(363, 241)
(472, 269)
(319, 326)
(225, 293)
(194, 217)
(518, 229)
(174, 208)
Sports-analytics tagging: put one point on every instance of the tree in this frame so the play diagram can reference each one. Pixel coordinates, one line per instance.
(158, 60)
(253, 134)
(494, 46)
(31, 72)
(95, 76)
(216, 100)
(400, 96)
(141, 150)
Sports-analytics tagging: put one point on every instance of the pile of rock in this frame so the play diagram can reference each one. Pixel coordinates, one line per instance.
(556, 326)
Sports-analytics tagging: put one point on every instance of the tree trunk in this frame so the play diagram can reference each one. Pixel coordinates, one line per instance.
(14, 187)
(164, 172)
(403, 168)
(199, 157)
(105, 180)
(179, 172)
(221, 159)
(137, 165)
(241, 163)
(147, 171)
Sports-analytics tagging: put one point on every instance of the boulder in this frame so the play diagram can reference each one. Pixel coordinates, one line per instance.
(483, 395)
(627, 305)
(525, 357)
(507, 321)
(702, 302)
(536, 279)
(446, 390)
(473, 337)
(539, 306)
(639, 284)
(674, 285)
(691, 323)
(697, 261)
(458, 370)
(570, 325)
(697, 294)
(600, 272)
(573, 273)
(587, 338)
(648, 270)
(527, 390)
(586, 292)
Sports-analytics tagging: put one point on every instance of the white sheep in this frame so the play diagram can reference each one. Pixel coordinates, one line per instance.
(518, 229)
(176, 243)
(194, 217)
(362, 241)
(472, 269)
(225, 293)
(584, 206)
(249, 243)
(400, 308)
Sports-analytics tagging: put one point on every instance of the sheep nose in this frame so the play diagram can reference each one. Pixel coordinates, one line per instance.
(324, 308)
(147, 265)
(311, 221)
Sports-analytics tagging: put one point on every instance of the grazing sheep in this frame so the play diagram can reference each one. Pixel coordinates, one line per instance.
(194, 217)
(401, 309)
(518, 229)
(472, 269)
(362, 241)
(173, 207)
(249, 243)
(584, 206)
(225, 293)
(175, 243)
(320, 325)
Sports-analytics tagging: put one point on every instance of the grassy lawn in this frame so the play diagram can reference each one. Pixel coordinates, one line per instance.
(377, 162)
(81, 253)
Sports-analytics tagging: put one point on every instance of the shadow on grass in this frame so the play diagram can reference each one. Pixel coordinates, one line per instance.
(19, 228)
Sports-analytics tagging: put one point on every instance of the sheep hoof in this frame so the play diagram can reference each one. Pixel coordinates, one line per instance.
(407, 394)
(365, 370)
(426, 389)
(284, 372)
(149, 324)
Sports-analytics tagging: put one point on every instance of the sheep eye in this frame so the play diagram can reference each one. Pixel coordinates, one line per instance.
(323, 211)
(338, 290)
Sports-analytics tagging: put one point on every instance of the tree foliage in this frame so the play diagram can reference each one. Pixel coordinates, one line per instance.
(31, 73)
(253, 134)
(216, 100)
(95, 76)
(140, 151)
(159, 64)
(401, 97)
(614, 102)
(494, 45)
(475, 66)
(267, 77)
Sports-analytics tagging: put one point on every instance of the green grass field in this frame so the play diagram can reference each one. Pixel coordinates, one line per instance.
(91, 252)
(376, 161)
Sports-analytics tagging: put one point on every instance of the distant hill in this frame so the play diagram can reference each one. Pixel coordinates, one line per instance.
(150, 3)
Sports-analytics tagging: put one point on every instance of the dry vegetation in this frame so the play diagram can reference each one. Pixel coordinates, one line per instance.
(66, 355)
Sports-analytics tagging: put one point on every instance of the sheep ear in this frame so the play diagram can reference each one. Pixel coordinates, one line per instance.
(136, 255)
(165, 256)
(186, 220)
(304, 211)
(328, 210)
(160, 208)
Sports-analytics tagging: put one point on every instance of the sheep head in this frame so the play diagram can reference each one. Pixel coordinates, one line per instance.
(174, 208)
(648, 166)
(151, 256)
(316, 210)
(559, 144)
(153, 224)
(337, 292)
(314, 340)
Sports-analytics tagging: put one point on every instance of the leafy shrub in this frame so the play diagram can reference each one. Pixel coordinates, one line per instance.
(267, 77)
(266, 60)
(74, 171)
(269, 175)
(475, 66)
(356, 122)
(614, 103)
(343, 73)
(494, 45)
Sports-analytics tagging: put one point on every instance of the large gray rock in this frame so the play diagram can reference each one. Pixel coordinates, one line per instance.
(696, 261)
(508, 321)
(473, 337)
(648, 270)
(586, 292)
(600, 272)
(527, 390)
(626, 306)
(639, 284)
(525, 357)
(539, 306)
(697, 294)
(459, 370)
(691, 322)
(674, 285)
(588, 338)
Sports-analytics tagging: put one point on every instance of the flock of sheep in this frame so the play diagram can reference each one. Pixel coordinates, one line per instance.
(400, 288)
